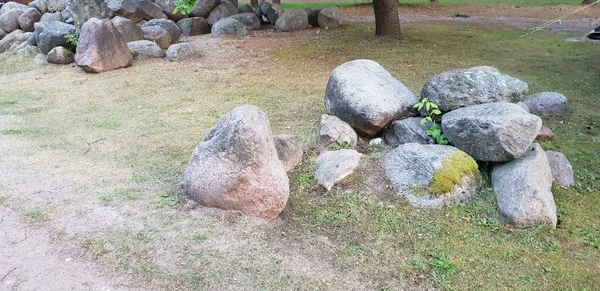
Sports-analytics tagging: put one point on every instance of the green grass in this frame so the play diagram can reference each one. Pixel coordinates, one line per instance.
(35, 215)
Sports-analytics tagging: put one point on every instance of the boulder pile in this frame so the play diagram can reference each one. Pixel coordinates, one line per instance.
(486, 117)
(36, 29)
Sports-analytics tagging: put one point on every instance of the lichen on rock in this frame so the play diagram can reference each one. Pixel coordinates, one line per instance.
(454, 168)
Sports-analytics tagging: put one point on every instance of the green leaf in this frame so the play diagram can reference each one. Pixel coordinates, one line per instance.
(428, 118)
(433, 105)
(420, 106)
(423, 121)
(436, 112)
(427, 106)
(416, 105)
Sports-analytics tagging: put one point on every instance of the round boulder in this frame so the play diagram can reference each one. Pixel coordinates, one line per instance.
(292, 20)
(431, 176)
(335, 131)
(168, 25)
(145, 49)
(28, 18)
(249, 19)
(235, 166)
(366, 96)
(329, 17)
(180, 51)
(193, 26)
(547, 104)
(61, 56)
(491, 132)
(229, 26)
(204, 7)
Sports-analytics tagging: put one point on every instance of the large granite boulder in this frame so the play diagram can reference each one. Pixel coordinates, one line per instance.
(48, 6)
(143, 49)
(465, 87)
(193, 26)
(329, 17)
(102, 47)
(334, 166)
(292, 20)
(547, 104)
(222, 11)
(409, 130)
(204, 7)
(83, 10)
(366, 96)
(229, 26)
(9, 21)
(562, 171)
(235, 166)
(431, 176)
(52, 34)
(28, 18)
(249, 19)
(12, 6)
(491, 132)
(335, 131)
(129, 29)
(523, 189)
(167, 24)
(136, 10)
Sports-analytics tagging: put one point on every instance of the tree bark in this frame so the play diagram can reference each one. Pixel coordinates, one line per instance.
(586, 2)
(386, 17)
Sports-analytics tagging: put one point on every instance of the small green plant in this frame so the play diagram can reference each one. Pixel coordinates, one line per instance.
(442, 270)
(304, 180)
(168, 200)
(340, 146)
(36, 215)
(591, 238)
(184, 7)
(461, 15)
(73, 38)
(432, 110)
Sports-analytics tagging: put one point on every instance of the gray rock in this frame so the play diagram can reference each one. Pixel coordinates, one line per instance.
(2, 33)
(333, 166)
(289, 151)
(20, 42)
(128, 28)
(40, 59)
(407, 130)
(180, 51)
(167, 24)
(168, 7)
(271, 11)
(491, 132)
(461, 88)
(32, 40)
(547, 104)
(8, 6)
(52, 34)
(9, 21)
(313, 16)
(524, 106)
(102, 47)
(236, 166)
(158, 35)
(523, 190)
(193, 26)
(7, 41)
(431, 176)
(66, 16)
(28, 50)
(60, 55)
(142, 49)
(204, 7)
(83, 10)
(329, 17)
(292, 20)
(136, 10)
(485, 68)
(48, 6)
(49, 17)
(248, 19)
(222, 11)
(335, 131)
(229, 26)
(562, 171)
(366, 96)
(376, 142)
(28, 18)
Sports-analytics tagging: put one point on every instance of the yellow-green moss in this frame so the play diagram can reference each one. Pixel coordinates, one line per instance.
(454, 167)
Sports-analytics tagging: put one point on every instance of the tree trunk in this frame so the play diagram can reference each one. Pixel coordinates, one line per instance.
(254, 2)
(386, 17)
(588, 2)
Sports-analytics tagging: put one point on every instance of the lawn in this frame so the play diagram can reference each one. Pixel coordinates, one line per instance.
(118, 143)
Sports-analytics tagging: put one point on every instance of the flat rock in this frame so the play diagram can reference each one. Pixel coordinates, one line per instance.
(366, 96)
(407, 130)
(235, 166)
(562, 171)
(491, 132)
(333, 166)
(102, 47)
(289, 151)
(523, 190)
(466, 87)
(547, 104)
(335, 131)
(431, 176)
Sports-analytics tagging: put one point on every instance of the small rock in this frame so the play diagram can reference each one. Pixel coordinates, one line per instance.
(376, 142)
(407, 130)
(249, 19)
(60, 55)
(229, 26)
(335, 131)
(101, 47)
(545, 134)
(193, 26)
(158, 35)
(289, 151)
(333, 166)
(329, 17)
(547, 104)
(180, 51)
(128, 28)
(28, 18)
(292, 20)
(562, 171)
(491, 132)
(145, 49)
(523, 190)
